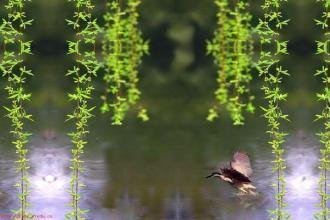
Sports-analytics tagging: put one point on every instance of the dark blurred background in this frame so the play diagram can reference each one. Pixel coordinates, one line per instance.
(177, 69)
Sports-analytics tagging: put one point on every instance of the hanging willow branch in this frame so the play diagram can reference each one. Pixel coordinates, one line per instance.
(273, 73)
(11, 66)
(231, 48)
(83, 47)
(123, 48)
(324, 96)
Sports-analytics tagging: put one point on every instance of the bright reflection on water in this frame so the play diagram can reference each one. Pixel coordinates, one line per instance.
(165, 181)
(302, 177)
(50, 178)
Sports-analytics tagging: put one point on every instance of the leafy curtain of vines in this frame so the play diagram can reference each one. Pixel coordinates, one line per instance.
(84, 70)
(231, 48)
(273, 73)
(123, 48)
(324, 96)
(15, 47)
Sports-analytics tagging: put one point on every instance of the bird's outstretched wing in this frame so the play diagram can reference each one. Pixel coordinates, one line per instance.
(234, 175)
(241, 163)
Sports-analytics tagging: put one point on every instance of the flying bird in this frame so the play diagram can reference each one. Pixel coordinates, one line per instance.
(238, 174)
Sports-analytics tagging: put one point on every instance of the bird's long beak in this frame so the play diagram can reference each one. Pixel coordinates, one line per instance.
(213, 174)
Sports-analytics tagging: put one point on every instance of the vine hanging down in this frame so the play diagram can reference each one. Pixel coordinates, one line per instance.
(12, 67)
(324, 96)
(273, 73)
(123, 48)
(85, 69)
(231, 48)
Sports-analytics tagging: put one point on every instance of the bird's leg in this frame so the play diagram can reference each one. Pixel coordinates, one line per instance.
(248, 186)
(247, 189)
(242, 191)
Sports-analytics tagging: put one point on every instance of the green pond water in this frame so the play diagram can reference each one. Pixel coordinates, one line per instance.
(156, 170)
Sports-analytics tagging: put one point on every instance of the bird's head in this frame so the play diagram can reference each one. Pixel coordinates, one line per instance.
(220, 175)
(215, 174)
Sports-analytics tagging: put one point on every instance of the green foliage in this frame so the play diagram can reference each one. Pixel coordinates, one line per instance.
(324, 97)
(123, 48)
(12, 67)
(231, 48)
(273, 73)
(86, 67)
